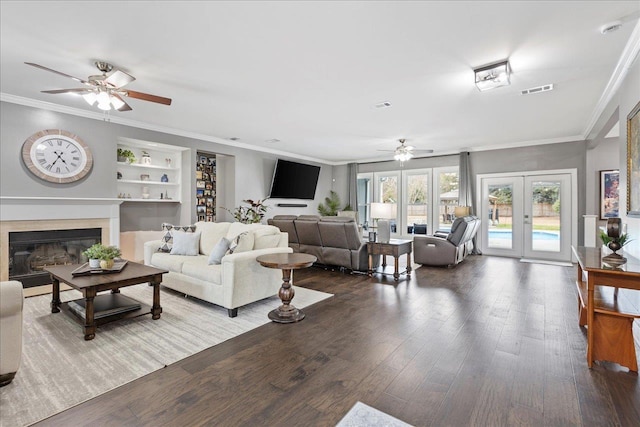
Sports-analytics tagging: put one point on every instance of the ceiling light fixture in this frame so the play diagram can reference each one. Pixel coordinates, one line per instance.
(493, 75)
(104, 98)
(402, 154)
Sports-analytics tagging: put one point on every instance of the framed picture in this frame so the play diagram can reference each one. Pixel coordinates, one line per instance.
(200, 184)
(633, 162)
(609, 197)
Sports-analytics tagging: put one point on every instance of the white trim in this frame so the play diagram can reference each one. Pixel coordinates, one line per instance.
(623, 66)
(5, 97)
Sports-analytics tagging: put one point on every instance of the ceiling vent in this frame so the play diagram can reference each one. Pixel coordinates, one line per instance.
(543, 88)
(385, 104)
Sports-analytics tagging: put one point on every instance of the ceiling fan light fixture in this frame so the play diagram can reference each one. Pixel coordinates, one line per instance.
(117, 104)
(90, 97)
(402, 155)
(493, 76)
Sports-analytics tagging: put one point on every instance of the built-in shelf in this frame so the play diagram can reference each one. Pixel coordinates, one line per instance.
(139, 165)
(134, 181)
(150, 200)
(161, 162)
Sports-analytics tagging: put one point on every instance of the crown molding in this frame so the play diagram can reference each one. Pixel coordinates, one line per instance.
(28, 102)
(628, 57)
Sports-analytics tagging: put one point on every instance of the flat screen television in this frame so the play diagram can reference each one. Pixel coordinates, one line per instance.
(293, 180)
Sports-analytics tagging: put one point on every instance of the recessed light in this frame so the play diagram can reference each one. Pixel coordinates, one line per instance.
(384, 104)
(611, 27)
(272, 141)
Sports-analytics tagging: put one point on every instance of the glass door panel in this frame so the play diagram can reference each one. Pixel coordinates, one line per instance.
(501, 202)
(417, 202)
(547, 217)
(448, 186)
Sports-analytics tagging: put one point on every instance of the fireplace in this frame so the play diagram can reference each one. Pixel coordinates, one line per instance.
(31, 251)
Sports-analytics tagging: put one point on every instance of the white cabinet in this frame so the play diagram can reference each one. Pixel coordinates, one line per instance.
(154, 177)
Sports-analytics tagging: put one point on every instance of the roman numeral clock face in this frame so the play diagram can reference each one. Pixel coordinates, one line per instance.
(57, 156)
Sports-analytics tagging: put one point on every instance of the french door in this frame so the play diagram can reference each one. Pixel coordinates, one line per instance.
(528, 216)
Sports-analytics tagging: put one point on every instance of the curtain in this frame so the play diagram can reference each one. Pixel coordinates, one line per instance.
(352, 176)
(466, 193)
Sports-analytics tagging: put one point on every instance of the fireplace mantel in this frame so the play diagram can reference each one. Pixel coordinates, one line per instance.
(51, 213)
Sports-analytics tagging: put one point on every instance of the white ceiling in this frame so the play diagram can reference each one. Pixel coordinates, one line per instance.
(309, 73)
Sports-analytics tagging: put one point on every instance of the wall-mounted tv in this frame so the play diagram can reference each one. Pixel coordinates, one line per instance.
(293, 180)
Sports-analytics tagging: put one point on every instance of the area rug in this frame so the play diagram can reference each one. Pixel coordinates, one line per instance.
(361, 415)
(60, 369)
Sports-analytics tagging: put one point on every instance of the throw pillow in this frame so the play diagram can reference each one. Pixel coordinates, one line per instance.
(218, 251)
(167, 238)
(243, 242)
(185, 243)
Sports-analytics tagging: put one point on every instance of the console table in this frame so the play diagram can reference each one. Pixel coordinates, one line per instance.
(609, 320)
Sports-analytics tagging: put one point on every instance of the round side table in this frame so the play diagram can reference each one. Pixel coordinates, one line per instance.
(286, 313)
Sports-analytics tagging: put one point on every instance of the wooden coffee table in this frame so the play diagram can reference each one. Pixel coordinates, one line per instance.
(94, 310)
(286, 313)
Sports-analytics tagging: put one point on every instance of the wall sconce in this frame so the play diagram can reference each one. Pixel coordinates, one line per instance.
(493, 75)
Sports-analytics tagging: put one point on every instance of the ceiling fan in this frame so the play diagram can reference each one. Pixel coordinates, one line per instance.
(403, 152)
(105, 90)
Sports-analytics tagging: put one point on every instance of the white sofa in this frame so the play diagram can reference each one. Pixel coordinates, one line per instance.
(238, 280)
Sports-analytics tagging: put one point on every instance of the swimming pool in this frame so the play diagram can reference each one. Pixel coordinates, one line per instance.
(537, 235)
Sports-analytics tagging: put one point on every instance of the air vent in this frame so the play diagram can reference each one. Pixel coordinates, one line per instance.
(234, 138)
(544, 88)
(385, 104)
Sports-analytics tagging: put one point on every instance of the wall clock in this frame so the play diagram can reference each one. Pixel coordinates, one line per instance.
(56, 155)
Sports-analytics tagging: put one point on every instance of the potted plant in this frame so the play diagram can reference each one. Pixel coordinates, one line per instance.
(126, 156)
(101, 256)
(249, 214)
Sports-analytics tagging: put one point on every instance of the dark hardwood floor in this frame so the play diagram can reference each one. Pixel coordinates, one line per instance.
(491, 342)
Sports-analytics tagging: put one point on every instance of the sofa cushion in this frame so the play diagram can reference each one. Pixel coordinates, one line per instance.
(198, 268)
(218, 251)
(243, 242)
(167, 237)
(168, 261)
(185, 243)
(267, 236)
(211, 233)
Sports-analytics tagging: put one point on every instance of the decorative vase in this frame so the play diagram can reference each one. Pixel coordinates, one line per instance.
(164, 178)
(94, 263)
(146, 158)
(145, 192)
(614, 228)
(106, 264)
(122, 159)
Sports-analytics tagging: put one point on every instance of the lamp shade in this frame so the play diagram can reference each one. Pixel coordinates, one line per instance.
(384, 210)
(460, 211)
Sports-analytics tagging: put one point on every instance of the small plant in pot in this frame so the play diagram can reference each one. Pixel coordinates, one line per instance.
(101, 256)
(126, 155)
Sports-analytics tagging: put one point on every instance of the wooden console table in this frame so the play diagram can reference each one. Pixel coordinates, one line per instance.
(395, 248)
(608, 319)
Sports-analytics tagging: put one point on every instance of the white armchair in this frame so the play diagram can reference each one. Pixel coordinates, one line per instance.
(11, 303)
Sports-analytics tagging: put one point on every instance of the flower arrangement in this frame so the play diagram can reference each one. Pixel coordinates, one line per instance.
(249, 214)
(622, 240)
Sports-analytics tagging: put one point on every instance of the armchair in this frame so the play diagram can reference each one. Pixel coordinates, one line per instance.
(447, 249)
(11, 303)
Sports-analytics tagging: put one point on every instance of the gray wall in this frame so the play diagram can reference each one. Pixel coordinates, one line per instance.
(245, 174)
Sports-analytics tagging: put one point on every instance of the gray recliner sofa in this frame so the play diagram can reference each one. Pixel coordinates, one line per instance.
(335, 241)
(444, 249)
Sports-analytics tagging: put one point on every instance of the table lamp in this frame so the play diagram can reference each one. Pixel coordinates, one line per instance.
(383, 212)
(460, 211)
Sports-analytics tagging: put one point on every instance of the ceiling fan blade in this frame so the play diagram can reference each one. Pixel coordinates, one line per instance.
(119, 78)
(78, 91)
(146, 97)
(125, 106)
(388, 151)
(427, 151)
(409, 147)
(57, 72)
